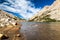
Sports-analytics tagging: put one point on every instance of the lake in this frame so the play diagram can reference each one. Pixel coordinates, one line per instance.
(40, 31)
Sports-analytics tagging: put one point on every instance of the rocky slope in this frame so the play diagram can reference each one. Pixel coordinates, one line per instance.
(8, 19)
(48, 13)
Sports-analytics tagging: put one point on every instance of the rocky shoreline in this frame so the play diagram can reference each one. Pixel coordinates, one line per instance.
(9, 27)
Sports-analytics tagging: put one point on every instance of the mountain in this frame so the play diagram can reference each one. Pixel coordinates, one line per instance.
(8, 19)
(48, 13)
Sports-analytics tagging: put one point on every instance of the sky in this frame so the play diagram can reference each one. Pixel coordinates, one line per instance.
(24, 8)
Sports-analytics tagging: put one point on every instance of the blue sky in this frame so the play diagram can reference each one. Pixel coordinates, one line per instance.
(24, 8)
(41, 3)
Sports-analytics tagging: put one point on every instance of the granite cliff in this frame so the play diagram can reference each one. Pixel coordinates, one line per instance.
(48, 13)
(7, 19)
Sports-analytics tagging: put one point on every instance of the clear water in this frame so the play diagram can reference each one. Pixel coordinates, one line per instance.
(40, 31)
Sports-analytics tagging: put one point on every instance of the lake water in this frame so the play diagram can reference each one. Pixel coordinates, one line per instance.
(40, 31)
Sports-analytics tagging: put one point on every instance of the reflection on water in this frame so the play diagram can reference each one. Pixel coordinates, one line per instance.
(41, 31)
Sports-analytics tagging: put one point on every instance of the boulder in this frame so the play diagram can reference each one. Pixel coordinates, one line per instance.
(18, 35)
(2, 36)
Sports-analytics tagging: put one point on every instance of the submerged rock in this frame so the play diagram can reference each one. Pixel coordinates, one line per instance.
(18, 35)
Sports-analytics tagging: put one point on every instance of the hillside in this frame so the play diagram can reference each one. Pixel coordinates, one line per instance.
(8, 19)
(48, 13)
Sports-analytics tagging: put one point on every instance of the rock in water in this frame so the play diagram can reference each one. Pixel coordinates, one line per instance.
(18, 35)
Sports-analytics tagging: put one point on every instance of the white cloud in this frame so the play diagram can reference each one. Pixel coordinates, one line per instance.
(21, 7)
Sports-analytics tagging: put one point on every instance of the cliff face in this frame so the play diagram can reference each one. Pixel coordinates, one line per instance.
(48, 13)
